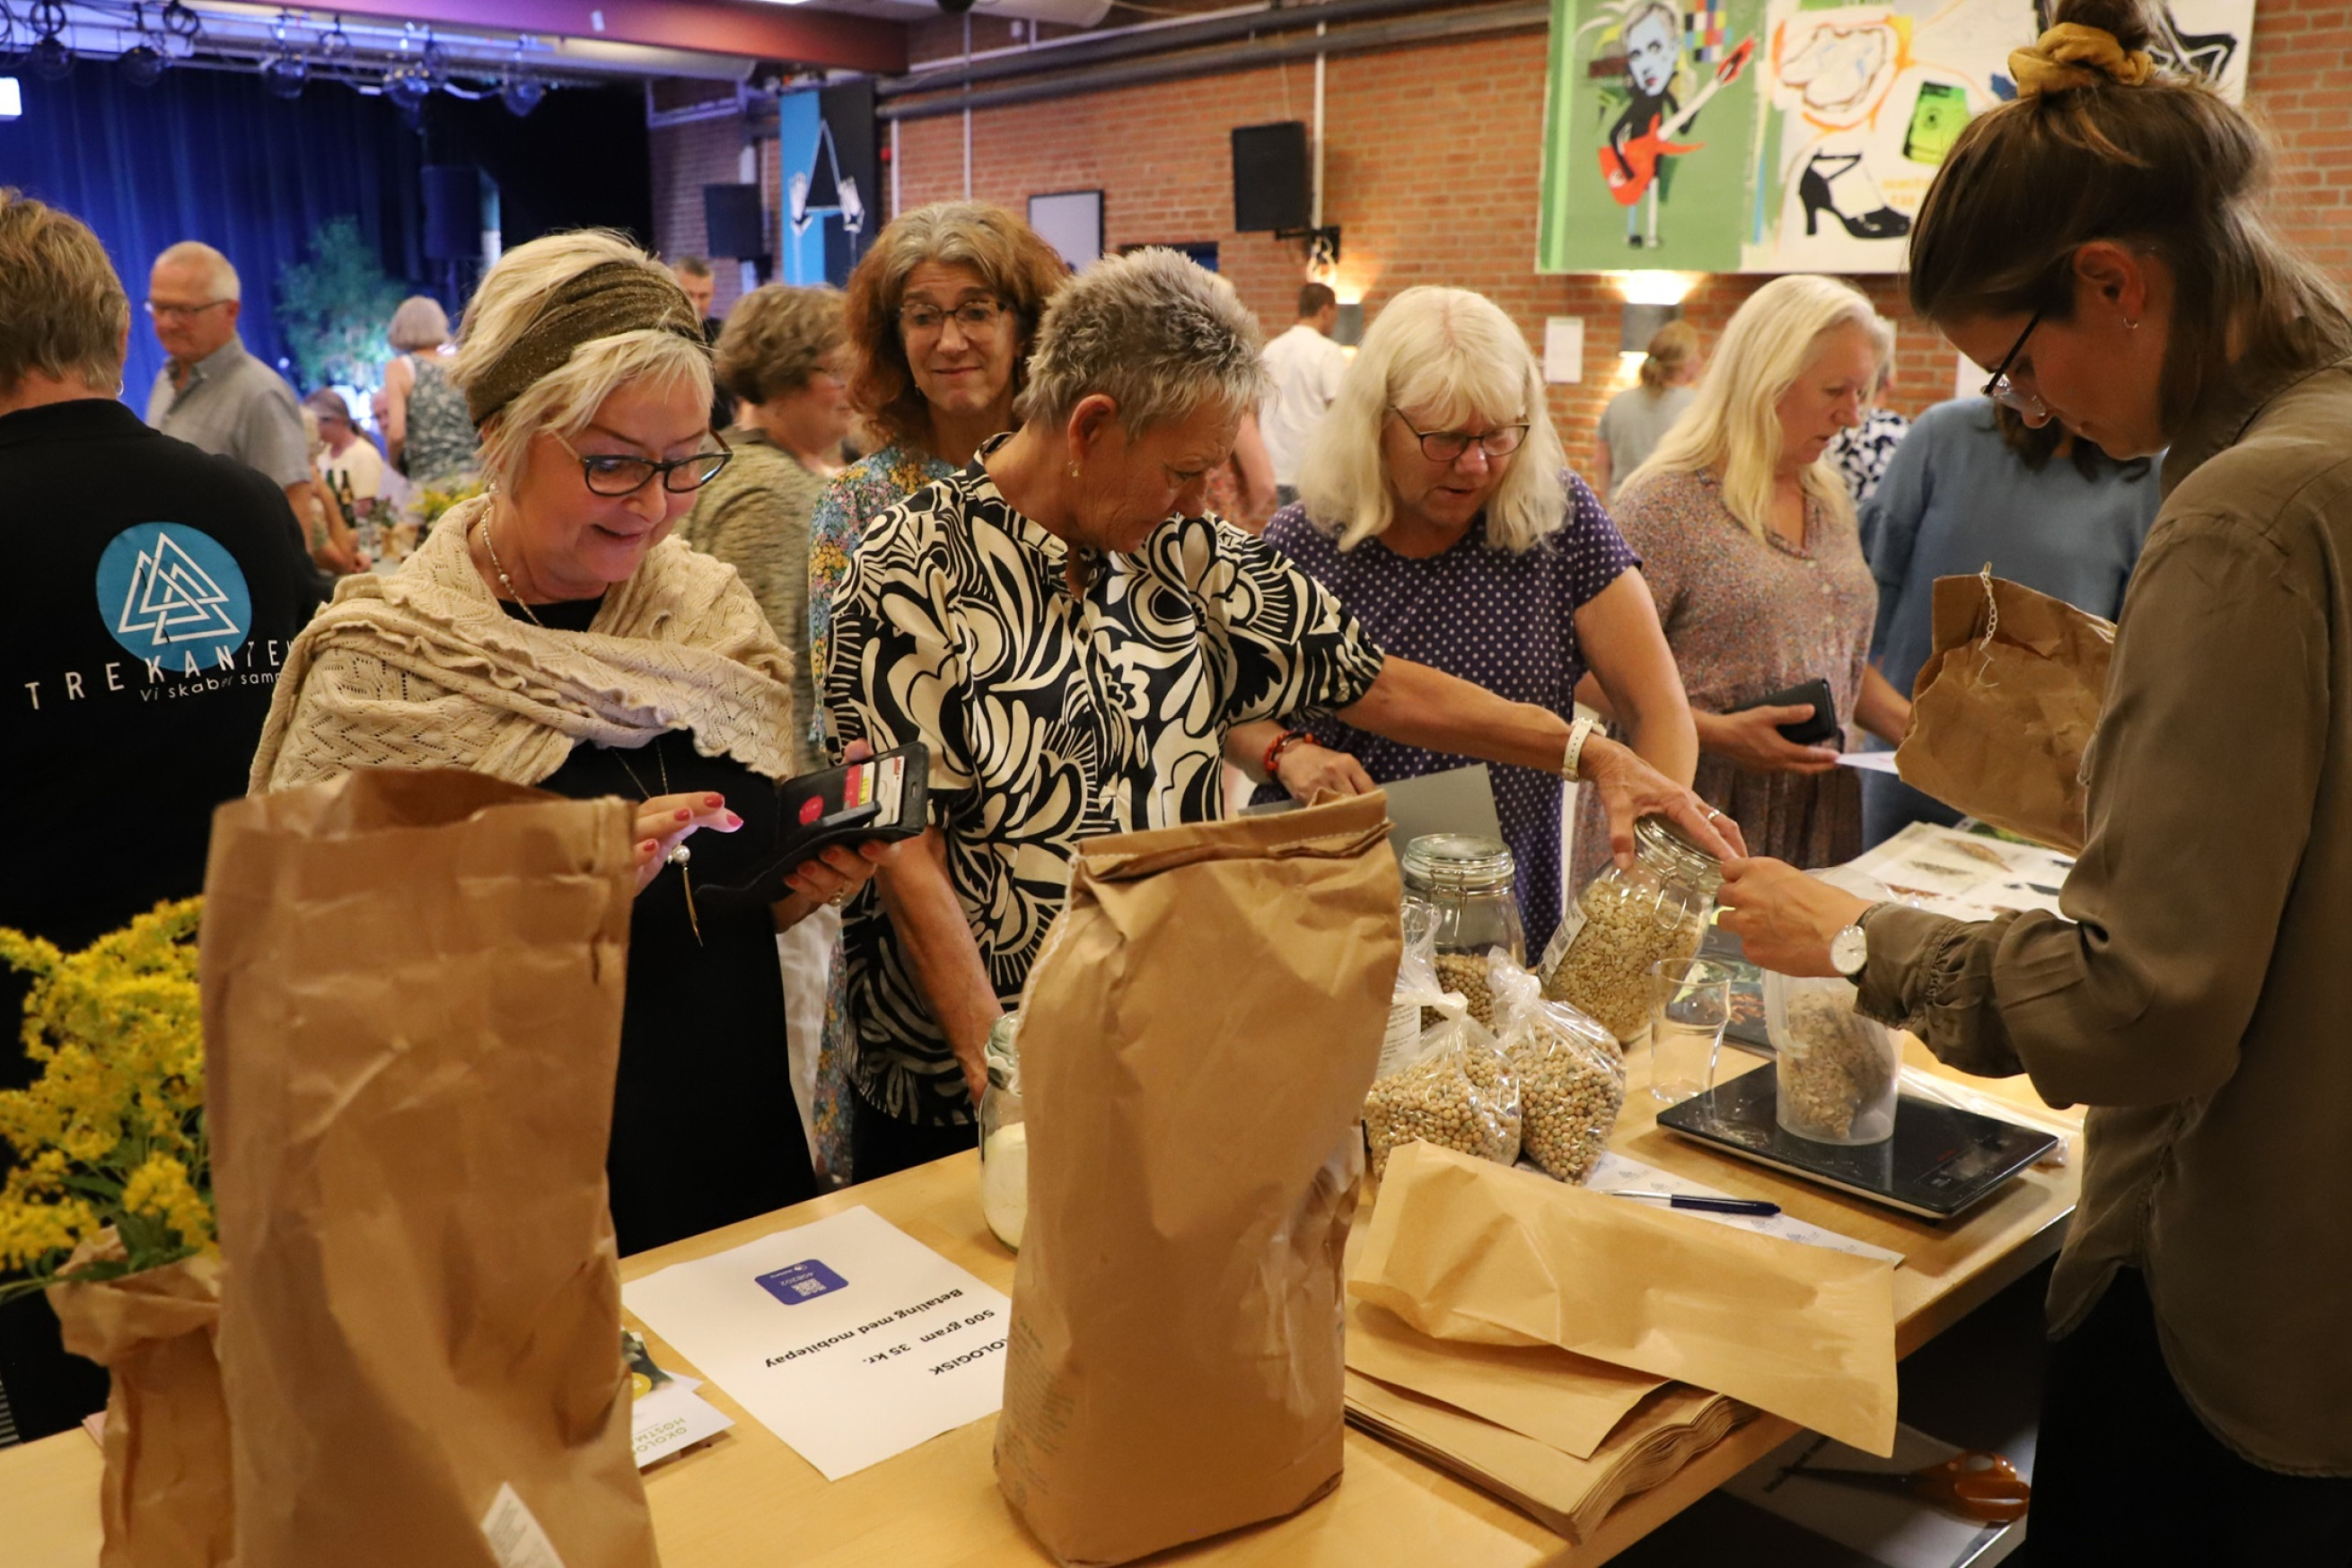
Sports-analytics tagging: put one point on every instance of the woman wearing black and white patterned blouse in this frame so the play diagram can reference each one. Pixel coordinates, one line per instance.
(1078, 646)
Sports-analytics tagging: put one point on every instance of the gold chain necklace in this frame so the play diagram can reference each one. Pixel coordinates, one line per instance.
(508, 583)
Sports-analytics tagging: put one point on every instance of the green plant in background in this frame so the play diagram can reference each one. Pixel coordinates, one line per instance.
(333, 307)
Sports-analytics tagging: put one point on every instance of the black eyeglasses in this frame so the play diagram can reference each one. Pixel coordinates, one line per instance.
(977, 317)
(1448, 446)
(614, 474)
(2001, 390)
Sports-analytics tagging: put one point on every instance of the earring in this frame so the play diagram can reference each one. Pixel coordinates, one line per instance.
(2131, 326)
(1074, 470)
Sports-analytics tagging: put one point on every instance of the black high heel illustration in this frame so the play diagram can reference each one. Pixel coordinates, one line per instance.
(1813, 189)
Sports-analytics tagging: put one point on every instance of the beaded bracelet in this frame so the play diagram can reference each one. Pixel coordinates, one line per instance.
(1283, 743)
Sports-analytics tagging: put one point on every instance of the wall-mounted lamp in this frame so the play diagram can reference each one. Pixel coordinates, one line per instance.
(1641, 323)
(1655, 287)
(1348, 330)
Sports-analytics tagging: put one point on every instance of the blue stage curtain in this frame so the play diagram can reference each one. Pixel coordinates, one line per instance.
(208, 155)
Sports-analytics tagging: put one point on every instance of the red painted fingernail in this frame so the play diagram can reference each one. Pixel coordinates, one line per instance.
(685, 816)
(733, 821)
(714, 800)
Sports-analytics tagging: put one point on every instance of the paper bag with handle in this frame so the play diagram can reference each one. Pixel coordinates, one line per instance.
(1196, 1039)
(2004, 709)
(412, 996)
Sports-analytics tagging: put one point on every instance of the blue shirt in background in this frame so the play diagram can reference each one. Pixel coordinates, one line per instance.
(1954, 497)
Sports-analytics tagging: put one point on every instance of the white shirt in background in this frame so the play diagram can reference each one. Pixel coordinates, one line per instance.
(1305, 367)
(362, 461)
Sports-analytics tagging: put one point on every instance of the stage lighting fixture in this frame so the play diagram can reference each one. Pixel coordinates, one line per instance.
(143, 64)
(50, 58)
(522, 94)
(334, 45)
(408, 86)
(285, 75)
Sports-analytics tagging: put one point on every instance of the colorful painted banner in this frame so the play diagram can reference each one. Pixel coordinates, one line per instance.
(1784, 135)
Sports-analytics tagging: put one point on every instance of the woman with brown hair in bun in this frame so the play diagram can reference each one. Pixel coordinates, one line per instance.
(2102, 243)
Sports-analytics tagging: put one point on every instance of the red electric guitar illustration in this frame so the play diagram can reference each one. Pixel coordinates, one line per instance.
(1631, 169)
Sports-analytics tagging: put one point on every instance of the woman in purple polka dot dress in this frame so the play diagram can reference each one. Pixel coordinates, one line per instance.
(1434, 500)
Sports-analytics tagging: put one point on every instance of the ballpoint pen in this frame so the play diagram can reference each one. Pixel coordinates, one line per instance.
(1754, 1207)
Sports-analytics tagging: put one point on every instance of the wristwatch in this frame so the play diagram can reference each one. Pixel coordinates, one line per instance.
(1582, 730)
(1850, 948)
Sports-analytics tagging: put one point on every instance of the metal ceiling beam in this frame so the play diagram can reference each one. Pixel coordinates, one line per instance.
(1150, 40)
(1479, 21)
(771, 32)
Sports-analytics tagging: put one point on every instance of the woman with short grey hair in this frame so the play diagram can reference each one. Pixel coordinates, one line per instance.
(1080, 649)
(427, 432)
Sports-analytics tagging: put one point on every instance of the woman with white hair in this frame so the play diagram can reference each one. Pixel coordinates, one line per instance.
(426, 431)
(1079, 647)
(1436, 503)
(1750, 544)
(550, 633)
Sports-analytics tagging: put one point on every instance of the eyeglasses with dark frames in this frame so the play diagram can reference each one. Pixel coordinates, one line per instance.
(2000, 388)
(977, 318)
(1448, 446)
(617, 474)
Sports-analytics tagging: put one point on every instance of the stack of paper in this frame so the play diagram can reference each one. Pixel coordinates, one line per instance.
(1565, 1350)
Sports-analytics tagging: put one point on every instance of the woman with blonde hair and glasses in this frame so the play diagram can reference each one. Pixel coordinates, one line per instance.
(1435, 503)
(2102, 242)
(551, 633)
(1749, 545)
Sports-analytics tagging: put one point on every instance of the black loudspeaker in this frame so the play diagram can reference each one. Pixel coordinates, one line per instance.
(453, 212)
(1271, 184)
(734, 226)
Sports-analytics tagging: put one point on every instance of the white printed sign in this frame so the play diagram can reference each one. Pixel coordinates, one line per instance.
(846, 1337)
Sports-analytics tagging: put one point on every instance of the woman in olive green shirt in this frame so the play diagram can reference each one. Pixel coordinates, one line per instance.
(2101, 242)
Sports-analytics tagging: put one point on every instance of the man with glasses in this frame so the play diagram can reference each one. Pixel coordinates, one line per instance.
(151, 596)
(213, 394)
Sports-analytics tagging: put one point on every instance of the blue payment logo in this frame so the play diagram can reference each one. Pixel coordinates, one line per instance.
(166, 588)
(798, 1282)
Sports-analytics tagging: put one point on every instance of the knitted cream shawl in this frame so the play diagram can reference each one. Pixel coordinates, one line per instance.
(423, 669)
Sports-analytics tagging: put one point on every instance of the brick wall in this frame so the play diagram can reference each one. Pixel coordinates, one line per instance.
(1431, 171)
(686, 158)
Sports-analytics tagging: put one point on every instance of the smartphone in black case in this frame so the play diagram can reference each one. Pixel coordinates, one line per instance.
(1818, 730)
(882, 797)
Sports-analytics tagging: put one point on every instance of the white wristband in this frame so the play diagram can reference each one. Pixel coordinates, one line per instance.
(1582, 730)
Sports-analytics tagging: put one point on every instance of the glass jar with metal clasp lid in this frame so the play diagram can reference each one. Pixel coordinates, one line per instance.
(1467, 886)
(1628, 918)
(1005, 1136)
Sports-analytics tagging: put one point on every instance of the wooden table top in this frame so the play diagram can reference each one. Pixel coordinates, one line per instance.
(742, 1497)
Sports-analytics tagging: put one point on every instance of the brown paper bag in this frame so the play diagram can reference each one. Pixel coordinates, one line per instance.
(412, 992)
(1564, 1493)
(1570, 1402)
(1463, 1249)
(165, 1500)
(2004, 709)
(1195, 1042)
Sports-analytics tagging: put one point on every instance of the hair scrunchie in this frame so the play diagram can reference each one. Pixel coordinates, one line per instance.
(2070, 55)
(604, 301)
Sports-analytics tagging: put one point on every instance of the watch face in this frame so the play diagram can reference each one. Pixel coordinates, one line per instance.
(1849, 950)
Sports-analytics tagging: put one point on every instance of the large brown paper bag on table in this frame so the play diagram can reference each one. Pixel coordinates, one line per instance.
(2004, 709)
(1461, 1248)
(412, 996)
(1196, 1040)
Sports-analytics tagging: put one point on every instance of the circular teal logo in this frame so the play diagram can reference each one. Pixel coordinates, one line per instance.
(166, 588)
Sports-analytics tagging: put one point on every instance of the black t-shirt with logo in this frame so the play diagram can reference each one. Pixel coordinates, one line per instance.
(148, 592)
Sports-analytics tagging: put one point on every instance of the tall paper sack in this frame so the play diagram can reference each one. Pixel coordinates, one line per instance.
(1195, 1044)
(2003, 711)
(412, 994)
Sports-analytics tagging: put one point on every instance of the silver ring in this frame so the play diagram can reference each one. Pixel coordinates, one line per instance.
(1711, 815)
(681, 857)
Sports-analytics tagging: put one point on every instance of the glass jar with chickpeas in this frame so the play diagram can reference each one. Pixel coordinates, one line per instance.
(1464, 884)
(1628, 918)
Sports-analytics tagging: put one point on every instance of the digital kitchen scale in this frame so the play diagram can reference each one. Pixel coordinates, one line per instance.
(1940, 1161)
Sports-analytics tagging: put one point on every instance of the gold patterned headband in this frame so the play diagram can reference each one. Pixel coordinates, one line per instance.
(607, 300)
(2071, 56)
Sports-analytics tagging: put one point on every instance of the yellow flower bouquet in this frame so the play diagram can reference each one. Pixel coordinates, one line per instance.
(112, 1133)
(109, 1208)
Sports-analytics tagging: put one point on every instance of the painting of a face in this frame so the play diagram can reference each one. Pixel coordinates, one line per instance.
(1649, 51)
